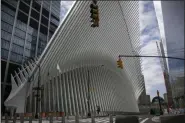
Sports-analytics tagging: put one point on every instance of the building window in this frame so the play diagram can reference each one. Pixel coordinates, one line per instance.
(18, 41)
(4, 54)
(53, 27)
(50, 34)
(16, 58)
(24, 7)
(7, 18)
(44, 21)
(36, 6)
(27, 1)
(20, 33)
(18, 49)
(28, 45)
(13, 3)
(43, 29)
(34, 24)
(8, 9)
(22, 17)
(31, 39)
(43, 37)
(27, 52)
(35, 14)
(21, 25)
(46, 4)
(5, 35)
(5, 44)
(7, 27)
(45, 12)
(54, 20)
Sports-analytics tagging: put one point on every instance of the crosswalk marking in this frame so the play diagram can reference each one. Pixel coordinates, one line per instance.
(144, 120)
(97, 120)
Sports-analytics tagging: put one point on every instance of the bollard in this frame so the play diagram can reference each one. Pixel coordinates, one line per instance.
(76, 118)
(110, 118)
(6, 118)
(50, 119)
(63, 118)
(92, 119)
(30, 119)
(14, 118)
(21, 118)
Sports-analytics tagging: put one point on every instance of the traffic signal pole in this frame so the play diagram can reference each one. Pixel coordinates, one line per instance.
(161, 112)
(151, 56)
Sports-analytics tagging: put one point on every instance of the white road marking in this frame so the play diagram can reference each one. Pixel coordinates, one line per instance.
(144, 120)
(155, 119)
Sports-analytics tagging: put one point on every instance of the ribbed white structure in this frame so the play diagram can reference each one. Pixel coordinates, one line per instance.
(77, 48)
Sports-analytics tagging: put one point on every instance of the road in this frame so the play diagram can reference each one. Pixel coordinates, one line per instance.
(142, 119)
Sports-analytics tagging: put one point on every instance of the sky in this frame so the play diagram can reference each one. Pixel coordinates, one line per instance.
(149, 28)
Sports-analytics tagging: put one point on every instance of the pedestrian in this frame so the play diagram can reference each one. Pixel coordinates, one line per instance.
(98, 110)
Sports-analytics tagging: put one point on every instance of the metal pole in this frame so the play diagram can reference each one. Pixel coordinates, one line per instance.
(159, 103)
(88, 96)
(37, 95)
(151, 56)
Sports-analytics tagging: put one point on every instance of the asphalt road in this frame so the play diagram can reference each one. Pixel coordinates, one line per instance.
(149, 119)
(142, 119)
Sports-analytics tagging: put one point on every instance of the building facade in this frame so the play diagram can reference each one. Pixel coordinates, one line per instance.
(148, 102)
(165, 98)
(142, 97)
(26, 27)
(173, 17)
(71, 65)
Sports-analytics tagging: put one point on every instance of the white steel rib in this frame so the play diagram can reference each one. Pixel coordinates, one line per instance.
(76, 48)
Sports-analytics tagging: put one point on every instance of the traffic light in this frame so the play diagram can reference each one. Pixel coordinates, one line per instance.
(120, 63)
(94, 14)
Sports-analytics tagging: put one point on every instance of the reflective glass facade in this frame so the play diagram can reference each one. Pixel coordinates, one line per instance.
(26, 27)
(173, 16)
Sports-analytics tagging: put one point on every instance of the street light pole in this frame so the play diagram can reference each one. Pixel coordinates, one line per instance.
(38, 96)
(88, 96)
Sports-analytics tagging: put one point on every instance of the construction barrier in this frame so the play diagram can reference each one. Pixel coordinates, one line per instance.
(55, 114)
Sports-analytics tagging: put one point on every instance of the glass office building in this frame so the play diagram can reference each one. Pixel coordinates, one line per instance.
(173, 17)
(26, 27)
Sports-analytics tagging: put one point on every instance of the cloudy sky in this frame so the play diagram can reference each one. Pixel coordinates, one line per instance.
(149, 35)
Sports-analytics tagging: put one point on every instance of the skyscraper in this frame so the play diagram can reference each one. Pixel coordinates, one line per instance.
(26, 27)
(173, 17)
